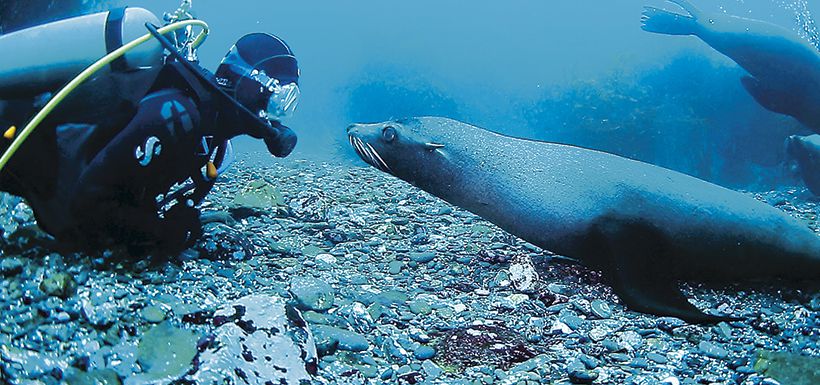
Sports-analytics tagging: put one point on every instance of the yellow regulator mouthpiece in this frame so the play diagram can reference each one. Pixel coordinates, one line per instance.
(210, 171)
(9, 134)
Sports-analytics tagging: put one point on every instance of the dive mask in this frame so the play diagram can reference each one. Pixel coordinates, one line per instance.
(262, 74)
(282, 99)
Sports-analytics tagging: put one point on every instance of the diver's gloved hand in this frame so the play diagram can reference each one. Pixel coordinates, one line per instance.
(180, 228)
(280, 139)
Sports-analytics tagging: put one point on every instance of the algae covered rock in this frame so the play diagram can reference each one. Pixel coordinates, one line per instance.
(59, 285)
(789, 368)
(490, 344)
(259, 194)
(312, 294)
(165, 353)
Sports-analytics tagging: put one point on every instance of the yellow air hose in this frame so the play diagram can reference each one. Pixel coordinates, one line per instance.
(90, 71)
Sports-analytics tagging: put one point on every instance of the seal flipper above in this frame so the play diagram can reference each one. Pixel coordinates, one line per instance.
(671, 23)
(769, 99)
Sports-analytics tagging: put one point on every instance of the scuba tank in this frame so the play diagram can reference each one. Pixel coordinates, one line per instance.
(43, 58)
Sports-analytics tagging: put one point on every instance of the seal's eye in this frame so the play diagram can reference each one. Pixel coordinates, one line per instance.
(389, 133)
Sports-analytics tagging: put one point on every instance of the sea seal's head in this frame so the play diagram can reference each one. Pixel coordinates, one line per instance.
(805, 152)
(412, 149)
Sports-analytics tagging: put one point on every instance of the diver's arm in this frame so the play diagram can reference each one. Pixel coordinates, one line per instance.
(117, 193)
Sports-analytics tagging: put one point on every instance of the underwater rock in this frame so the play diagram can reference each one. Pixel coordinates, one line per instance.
(153, 314)
(59, 285)
(491, 344)
(165, 353)
(310, 206)
(712, 350)
(601, 309)
(259, 194)
(343, 339)
(11, 266)
(312, 294)
(422, 257)
(424, 352)
(222, 242)
(523, 275)
(583, 376)
(789, 368)
(259, 340)
(356, 315)
(73, 376)
(28, 363)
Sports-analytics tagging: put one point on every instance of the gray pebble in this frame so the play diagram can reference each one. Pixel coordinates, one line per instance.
(153, 314)
(346, 339)
(432, 370)
(658, 358)
(394, 267)
(583, 376)
(311, 293)
(712, 350)
(11, 266)
(422, 257)
(424, 352)
(601, 308)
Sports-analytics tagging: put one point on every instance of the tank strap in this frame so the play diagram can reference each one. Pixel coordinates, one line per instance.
(113, 37)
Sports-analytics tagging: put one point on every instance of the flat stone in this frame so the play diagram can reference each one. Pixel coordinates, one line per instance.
(658, 358)
(420, 307)
(153, 314)
(712, 350)
(394, 267)
(432, 370)
(347, 340)
(312, 294)
(11, 266)
(422, 257)
(601, 308)
(583, 376)
(424, 352)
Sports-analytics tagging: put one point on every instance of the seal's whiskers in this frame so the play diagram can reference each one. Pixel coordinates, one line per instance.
(378, 157)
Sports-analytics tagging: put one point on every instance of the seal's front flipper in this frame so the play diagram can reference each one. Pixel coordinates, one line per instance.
(769, 99)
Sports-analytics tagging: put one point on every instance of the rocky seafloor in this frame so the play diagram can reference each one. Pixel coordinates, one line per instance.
(331, 274)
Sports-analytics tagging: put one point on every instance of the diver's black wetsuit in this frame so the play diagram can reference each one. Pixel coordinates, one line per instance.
(95, 186)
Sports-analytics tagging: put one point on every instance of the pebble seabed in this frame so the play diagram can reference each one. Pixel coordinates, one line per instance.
(396, 286)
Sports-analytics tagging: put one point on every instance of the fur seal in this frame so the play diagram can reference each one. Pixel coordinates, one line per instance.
(805, 150)
(644, 226)
(784, 69)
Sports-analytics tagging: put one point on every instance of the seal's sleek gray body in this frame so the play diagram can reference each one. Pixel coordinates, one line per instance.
(784, 69)
(644, 226)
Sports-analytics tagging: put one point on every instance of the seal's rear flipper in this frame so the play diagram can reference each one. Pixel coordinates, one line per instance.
(655, 295)
(638, 272)
(670, 23)
(766, 98)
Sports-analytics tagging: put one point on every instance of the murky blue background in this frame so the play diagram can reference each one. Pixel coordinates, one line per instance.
(580, 72)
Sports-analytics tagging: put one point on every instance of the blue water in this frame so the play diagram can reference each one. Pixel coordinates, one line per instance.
(580, 72)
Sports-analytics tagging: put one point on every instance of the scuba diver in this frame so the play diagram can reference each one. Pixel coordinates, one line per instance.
(129, 156)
